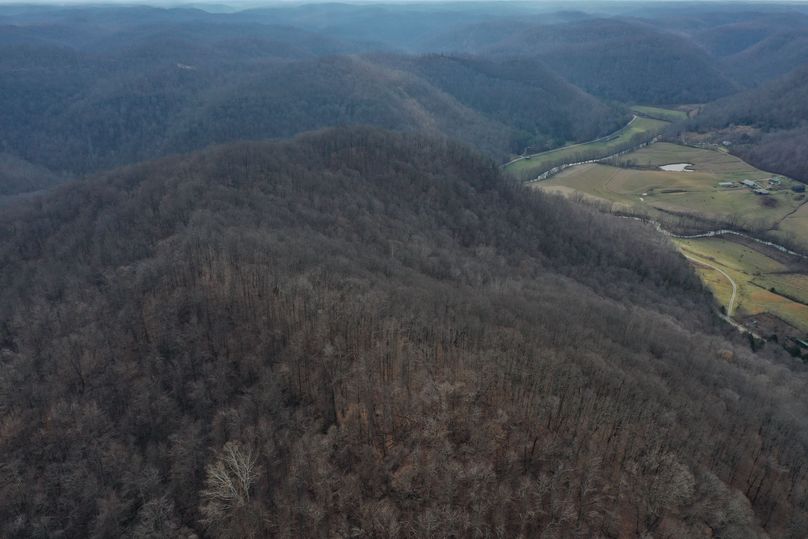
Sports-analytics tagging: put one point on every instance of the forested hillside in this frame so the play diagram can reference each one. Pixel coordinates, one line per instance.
(778, 115)
(625, 60)
(752, 44)
(74, 105)
(262, 274)
(372, 334)
(20, 176)
(781, 104)
(544, 109)
(89, 88)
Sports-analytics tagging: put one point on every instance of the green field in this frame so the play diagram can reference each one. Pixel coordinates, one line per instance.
(540, 162)
(657, 193)
(794, 228)
(668, 115)
(709, 161)
(765, 285)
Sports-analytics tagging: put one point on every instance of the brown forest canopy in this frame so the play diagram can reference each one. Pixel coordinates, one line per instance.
(366, 333)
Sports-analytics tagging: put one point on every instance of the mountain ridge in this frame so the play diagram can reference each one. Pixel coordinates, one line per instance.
(379, 313)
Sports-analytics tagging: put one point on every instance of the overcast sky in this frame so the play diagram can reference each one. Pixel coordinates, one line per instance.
(260, 2)
(237, 5)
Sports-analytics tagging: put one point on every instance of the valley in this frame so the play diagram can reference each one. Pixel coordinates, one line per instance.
(638, 130)
(766, 283)
(404, 270)
(688, 190)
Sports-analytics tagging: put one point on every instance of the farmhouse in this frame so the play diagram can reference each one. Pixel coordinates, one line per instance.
(750, 184)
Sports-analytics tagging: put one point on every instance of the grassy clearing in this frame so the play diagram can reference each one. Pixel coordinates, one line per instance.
(728, 166)
(765, 285)
(791, 285)
(794, 228)
(762, 285)
(655, 192)
(540, 162)
(668, 115)
(717, 283)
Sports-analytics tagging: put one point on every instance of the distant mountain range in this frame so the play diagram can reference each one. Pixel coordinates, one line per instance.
(89, 88)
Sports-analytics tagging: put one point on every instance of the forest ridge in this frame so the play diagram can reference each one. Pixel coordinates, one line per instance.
(262, 274)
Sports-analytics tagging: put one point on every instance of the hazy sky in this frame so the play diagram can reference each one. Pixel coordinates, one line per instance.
(237, 5)
(260, 2)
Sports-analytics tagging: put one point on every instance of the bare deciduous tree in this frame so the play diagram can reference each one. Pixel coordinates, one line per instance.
(230, 478)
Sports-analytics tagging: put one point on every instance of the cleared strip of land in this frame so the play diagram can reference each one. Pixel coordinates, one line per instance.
(730, 306)
(540, 162)
(668, 115)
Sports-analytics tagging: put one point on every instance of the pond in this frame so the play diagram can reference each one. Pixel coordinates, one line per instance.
(678, 167)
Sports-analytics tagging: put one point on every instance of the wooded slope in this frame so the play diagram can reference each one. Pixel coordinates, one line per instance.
(81, 105)
(778, 114)
(371, 333)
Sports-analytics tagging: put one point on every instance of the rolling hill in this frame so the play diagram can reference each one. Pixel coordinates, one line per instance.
(263, 274)
(776, 115)
(752, 46)
(372, 333)
(619, 59)
(780, 104)
(520, 93)
(74, 112)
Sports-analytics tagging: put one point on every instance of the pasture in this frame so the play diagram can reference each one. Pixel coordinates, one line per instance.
(765, 285)
(794, 228)
(540, 162)
(668, 115)
(647, 190)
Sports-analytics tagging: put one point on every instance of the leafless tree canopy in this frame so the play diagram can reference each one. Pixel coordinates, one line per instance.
(358, 333)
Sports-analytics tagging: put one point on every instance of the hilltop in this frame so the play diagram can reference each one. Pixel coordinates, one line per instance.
(377, 333)
(623, 60)
(767, 126)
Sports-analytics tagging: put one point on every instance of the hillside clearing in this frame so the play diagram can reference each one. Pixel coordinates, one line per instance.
(658, 113)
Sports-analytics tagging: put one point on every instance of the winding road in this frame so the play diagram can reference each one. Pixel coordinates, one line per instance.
(731, 304)
(730, 309)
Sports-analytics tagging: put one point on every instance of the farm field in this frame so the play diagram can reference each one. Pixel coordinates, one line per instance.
(794, 228)
(767, 282)
(538, 163)
(647, 190)
(765, 285)
(668, 115)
